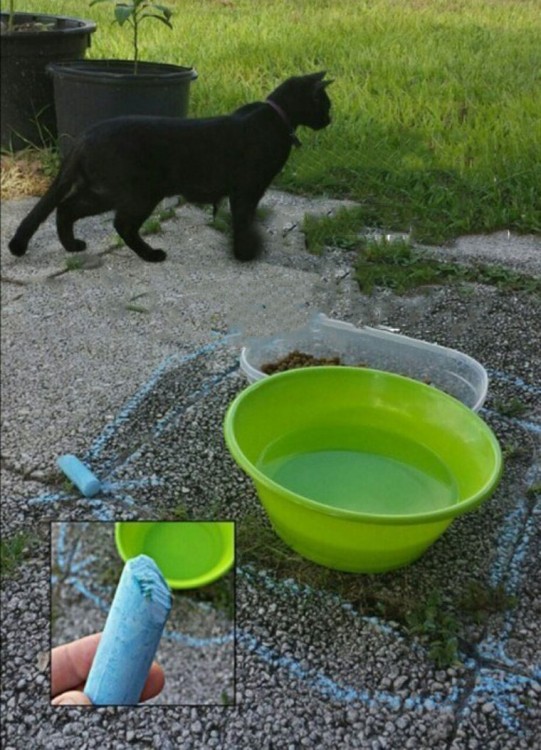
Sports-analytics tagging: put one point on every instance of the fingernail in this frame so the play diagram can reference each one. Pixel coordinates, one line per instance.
(69, 700)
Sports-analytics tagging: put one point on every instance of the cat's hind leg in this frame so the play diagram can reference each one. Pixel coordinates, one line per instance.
(247, 242)
(76, 207)
(127, 225)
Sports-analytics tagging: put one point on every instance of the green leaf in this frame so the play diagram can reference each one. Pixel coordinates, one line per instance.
(167, 12)
(159, 18)
(95, 2)
(123, 13)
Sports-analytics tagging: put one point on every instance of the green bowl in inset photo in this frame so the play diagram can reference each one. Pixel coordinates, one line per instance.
(189, 554)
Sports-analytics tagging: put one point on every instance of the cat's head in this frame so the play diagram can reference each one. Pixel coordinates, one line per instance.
(305, 100)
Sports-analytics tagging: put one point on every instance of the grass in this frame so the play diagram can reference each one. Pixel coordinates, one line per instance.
(73, 263)
(394, 263)
(512, 408)
(435, 102)
(480, 601)
(12, 551)
(132, 306)
(400, 267)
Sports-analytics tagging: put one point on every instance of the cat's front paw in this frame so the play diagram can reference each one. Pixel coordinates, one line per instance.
(247, 244)
(77, 246)
(156, 256)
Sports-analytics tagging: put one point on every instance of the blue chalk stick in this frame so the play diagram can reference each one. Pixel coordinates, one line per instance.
(79, 474)
(131, 635)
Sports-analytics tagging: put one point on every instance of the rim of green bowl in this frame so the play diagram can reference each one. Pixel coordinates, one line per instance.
(218, 570)
(452, 511)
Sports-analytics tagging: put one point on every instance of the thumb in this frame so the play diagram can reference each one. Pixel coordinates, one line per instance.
(71, 698)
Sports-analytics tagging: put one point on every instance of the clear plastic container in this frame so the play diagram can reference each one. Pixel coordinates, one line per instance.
(451, 371)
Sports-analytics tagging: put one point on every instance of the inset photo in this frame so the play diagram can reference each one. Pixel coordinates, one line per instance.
(143, 612)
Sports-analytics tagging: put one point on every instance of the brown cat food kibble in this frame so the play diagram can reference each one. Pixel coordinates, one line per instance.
(297, 359)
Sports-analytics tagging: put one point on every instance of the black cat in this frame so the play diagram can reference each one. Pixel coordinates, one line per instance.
(129, 164)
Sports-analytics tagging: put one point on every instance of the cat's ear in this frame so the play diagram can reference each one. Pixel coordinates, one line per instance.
(318, 78)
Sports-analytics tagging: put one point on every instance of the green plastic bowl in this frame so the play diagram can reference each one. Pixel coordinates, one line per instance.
(360, 470)
(189, 553)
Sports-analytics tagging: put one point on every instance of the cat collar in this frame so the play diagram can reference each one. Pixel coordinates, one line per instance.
(286, 121)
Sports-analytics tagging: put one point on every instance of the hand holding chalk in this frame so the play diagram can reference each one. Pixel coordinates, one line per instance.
(132, 632)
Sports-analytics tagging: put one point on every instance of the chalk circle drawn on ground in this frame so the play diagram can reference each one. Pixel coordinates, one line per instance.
(499, 685)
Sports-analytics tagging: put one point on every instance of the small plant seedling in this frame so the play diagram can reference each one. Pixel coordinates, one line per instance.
(481, 600)
(11, 19)
(221, 220)
(134, 13)
(67, 485)
(152, 225)
(180, 513)
(438, 628)
(73, 263)
(226, 699)
(512, 408)
(132, 307)
(534, 490)
(12, 551)
(166, 214)
(136, 308)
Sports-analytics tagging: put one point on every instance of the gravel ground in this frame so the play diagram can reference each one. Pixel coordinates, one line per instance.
(141, 397)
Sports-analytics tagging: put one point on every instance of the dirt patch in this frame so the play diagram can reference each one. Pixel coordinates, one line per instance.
(23, 175)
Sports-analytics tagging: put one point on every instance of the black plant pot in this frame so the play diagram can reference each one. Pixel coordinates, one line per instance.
(27, 98)
(88, 91)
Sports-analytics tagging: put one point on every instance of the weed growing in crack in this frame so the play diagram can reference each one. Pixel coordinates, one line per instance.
(480, 601)
(437, 628)
(13, 550)
(514, 407)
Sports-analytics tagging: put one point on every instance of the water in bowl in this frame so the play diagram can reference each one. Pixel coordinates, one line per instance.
(367, 470)
(183, 550)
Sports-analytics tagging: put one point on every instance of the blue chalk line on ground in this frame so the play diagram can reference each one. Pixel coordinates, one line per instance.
(129, 407)
(173, 414)
(525, 424)
(513, 380)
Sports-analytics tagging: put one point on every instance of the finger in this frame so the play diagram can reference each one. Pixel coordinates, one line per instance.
(70, 663)
(71, 698)
(154, 683)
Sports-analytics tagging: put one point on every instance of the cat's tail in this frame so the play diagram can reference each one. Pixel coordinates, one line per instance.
(58, 190)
